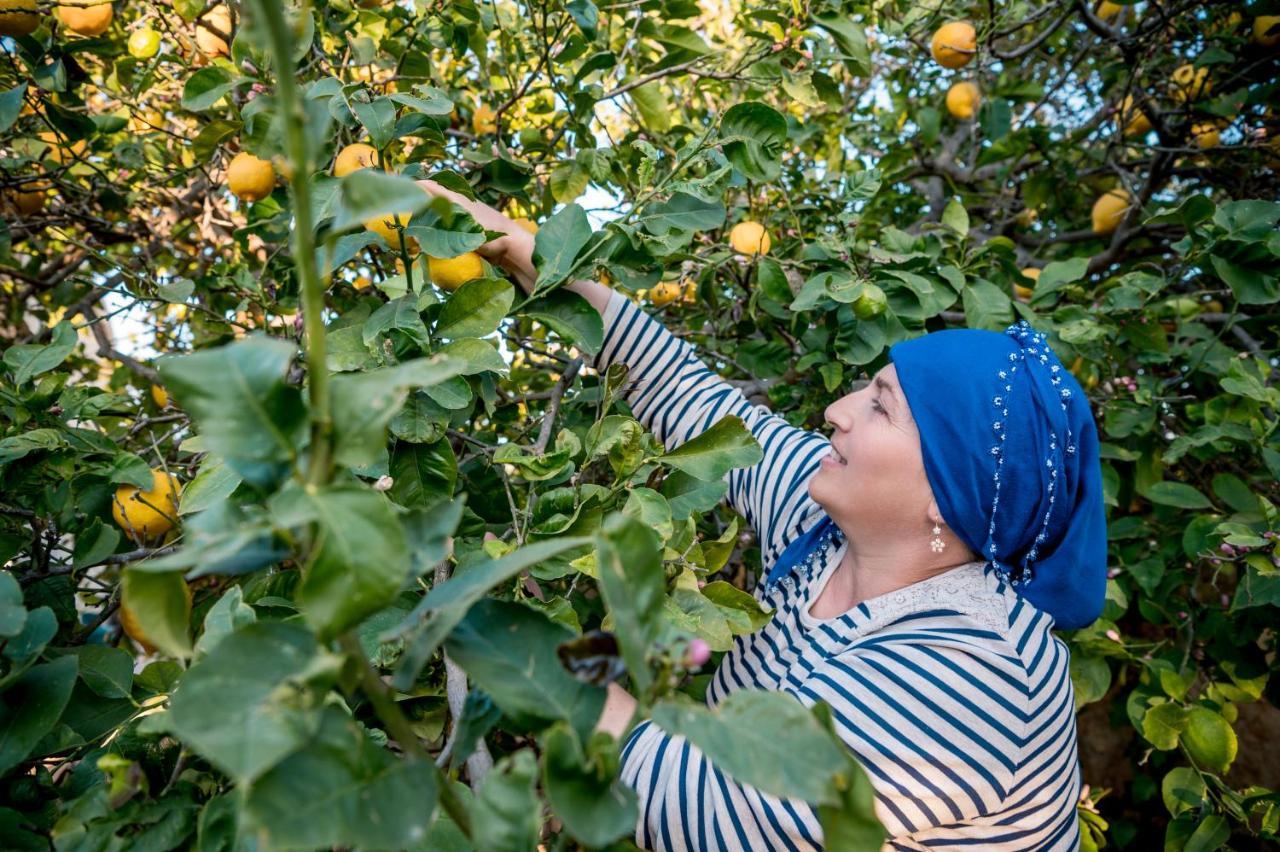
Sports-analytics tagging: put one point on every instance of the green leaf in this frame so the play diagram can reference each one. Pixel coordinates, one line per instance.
(851, 823)
(28, 360)
(557, 244)
(423, 473)
(230, 707)
(569, 315)
(11, 105)
(214, 483)
(1210, 834)
(360, 560)
(633, 584)
(652, 104)
(510, 652)
(1183, 789)
(986, 306)
(161, 605)
(506, 814)
(478, 356)
(106, 671)
(364, 404)
(1059, 274)
(1248, 221)
(40, 628)
(754, 135)
(1209, 739)
(955, 217)
(1090, 678)
(225, 617)
(342, 790)
(1179, 494)
(1162, 724)
(369, 193)
(594, 804)
(1251, 284)
(13, 615)
(207, 86)
(682, 212)
(476, 308)
(768, 740)
(568, 181)
(237, 397)
(850, 38)
(712, 454)
(32, 707)
(378, 115)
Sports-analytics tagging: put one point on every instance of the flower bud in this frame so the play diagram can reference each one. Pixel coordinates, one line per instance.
(697, 654)
(384, 483)
(1227, 549)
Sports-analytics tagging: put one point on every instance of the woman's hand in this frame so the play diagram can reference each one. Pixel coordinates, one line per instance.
(512, 252)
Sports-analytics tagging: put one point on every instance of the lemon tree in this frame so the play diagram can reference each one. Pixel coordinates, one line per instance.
(316, 532)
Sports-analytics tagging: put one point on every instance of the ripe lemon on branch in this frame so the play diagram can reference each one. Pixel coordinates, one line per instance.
(1131, 119)
(86, 18)
(250, 178)
(963, 100)
(1110, 209)
(147, 515)
(665, 293)
(955, 44)
(1190, 83)
(450, 273)
(750, 238)
(353, 158)
(144, 43)
(131, 626)
(18, 17)
(390, 226)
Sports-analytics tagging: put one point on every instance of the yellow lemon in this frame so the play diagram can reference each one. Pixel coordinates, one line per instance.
(144, 43)
(213, 32)
(1266, 30)
(450, 273)
(1190, 83)
(385, 226)
(665, 293)
(528, 224)
(954, 44)
(750, 238)
(1109, 210)
(353, 158)
(250, 178)
(1026, 217)
(1131, 119)
(1205, 135)
(60, 152)
(963, 100)
(87, 18)
(18, 17)
(1108, 10)
(160, 396)
(147, 515)
(690, 290)
(1023, 292)
(482, 121)
(26, 201)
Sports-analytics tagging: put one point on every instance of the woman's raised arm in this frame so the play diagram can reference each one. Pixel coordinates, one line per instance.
(673, 393)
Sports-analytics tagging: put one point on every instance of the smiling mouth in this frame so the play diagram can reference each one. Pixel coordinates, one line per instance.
(835, 456)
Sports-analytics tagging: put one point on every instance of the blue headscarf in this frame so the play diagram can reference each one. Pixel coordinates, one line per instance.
(1011, 452)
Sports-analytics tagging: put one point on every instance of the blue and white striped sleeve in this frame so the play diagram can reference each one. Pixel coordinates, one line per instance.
(674, 394)
(937, 732)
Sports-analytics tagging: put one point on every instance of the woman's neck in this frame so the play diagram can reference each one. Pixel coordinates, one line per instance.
(868, 571)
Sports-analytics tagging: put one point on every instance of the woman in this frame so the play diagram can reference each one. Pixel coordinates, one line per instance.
(917, 561)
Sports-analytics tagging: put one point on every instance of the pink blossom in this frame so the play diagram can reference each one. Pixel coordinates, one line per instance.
(697, 654)
(1113, 636)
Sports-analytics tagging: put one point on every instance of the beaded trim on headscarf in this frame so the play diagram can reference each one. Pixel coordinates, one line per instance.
(1034, 343)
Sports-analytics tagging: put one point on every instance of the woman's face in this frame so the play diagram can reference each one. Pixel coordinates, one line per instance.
(874, 479)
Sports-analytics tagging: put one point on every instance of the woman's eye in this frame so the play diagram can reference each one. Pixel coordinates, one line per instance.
(875, 403)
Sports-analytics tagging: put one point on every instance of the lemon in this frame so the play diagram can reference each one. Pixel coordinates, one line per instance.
(1131, 119)
(750, 238)
(147, 515)
(1026, 217)
(963, 100)
(1205, 135)
(27, 202)
(871, 303)
(1190, 83)
(1108, 10)
(160, 396)
(18, 17)
(1109, 210)
(385, 226)
(353, 158)
(1023, 292)
(450, 273)
(87, 18)
(954, 44)
(528, 224)
(210, 30)
(361, 282)
(144, 43)
(665, 293)
(1266, 30)
(482, 120)
(60, 152)
(250, 178)
(690, 290)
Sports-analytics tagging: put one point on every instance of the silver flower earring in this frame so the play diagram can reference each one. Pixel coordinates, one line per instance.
(937, 544)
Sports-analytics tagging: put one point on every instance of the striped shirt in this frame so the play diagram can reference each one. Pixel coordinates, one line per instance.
(952, 692)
